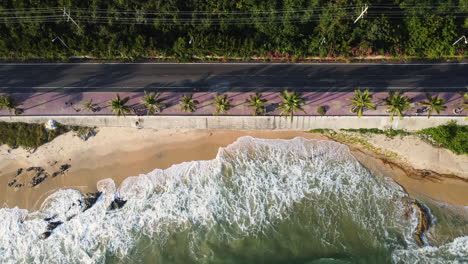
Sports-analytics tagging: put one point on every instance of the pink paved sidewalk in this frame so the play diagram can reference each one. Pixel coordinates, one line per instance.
(58, 103)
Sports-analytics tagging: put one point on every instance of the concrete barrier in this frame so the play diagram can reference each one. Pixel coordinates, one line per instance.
(244, 122)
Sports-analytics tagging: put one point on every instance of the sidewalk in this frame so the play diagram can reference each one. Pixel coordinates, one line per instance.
(70, 104)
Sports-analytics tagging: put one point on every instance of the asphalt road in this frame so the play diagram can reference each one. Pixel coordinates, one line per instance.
(232, 77)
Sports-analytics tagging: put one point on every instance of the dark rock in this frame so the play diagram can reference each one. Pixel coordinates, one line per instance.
(117, 204)
(19, 171)
(423, 224)
(50, 227)
(46, 234)
(65, 167)
(50, 218)
(12, 183)
(39, 177)
(19, 185)
(90, 199)
(35, 169)
(55, 174)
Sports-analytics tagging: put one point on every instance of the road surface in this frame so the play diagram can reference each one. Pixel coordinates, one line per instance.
(231, 77)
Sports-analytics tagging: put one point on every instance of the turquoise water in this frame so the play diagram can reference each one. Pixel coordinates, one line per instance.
(259, 201)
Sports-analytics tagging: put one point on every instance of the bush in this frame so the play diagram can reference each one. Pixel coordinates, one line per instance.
(322, 110)
(28, 135)
(451, 136)
(388, 132)
(413, 28)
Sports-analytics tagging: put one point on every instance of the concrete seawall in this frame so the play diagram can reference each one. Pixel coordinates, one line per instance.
(244, 122)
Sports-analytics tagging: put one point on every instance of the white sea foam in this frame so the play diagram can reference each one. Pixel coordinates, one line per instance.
(251, 186)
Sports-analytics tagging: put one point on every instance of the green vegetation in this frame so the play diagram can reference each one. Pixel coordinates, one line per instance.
(153, 103)
(434, 103)
(292, 102)
(274, 30)
(321, 130)
(119, 105)
(321, 110)
(31, 136)
(222, 104)
(257, 103)
(187, 104)
(388, 132)
(9, 103)
(28, 135)
(361, 101)
(464, 104)
(90, 106)
(397, 103)
(451, 136)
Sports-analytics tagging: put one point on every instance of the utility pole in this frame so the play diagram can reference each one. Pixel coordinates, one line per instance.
(63, 43)
(363, 12)
(69, 18)
(463, 37)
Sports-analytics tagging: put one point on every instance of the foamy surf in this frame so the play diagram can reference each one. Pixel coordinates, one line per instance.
(259, 200)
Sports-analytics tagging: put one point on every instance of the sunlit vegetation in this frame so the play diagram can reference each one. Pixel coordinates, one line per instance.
(271, 30)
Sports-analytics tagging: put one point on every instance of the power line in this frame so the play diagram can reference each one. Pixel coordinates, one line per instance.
(198, 17)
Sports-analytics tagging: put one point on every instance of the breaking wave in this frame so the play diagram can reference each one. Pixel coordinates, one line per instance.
(259, 200)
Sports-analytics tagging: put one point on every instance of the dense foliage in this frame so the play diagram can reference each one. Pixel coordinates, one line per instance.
(279, 30)
(450, 136)
(28, 135)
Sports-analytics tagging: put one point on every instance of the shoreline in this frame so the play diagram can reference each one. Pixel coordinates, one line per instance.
(119, 153)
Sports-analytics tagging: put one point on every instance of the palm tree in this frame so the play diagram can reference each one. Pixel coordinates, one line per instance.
(187, 104)
(434, 103)
(361, 101)
(257, 103)
(397, 103)
(9, 103)
(153, 103)
(292, 102)
(90, 106)
(222, 104)
(118, 105)
(464, 104)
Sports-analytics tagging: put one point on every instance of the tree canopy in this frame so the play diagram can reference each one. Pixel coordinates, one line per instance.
(243, 28)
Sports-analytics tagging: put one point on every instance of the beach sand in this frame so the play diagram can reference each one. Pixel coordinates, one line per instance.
(118, 153)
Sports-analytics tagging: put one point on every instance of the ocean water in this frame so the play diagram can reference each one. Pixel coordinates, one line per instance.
(259, 201)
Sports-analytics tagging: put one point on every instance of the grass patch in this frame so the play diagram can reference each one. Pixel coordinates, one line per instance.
(321, 130)
(349, 139)
(28, 135)
(31, 136)
(451, 136)
(389, 132)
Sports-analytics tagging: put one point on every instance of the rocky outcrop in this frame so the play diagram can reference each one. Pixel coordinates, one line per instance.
(50, 227)
(424, 222)
(90, 199)
(117, 204)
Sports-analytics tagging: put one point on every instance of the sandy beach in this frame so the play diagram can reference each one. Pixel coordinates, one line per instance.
(118, 153)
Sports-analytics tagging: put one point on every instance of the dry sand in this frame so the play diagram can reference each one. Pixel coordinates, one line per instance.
(118, 153)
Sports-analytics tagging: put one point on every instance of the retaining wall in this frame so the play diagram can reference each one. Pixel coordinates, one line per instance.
(244, 122)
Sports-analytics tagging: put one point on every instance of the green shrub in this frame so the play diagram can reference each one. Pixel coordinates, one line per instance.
(322, 110)
(28, 135)
(320, 130)
(389, 132)
(451, 136)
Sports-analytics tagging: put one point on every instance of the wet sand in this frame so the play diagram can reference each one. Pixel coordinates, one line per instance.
(118, 153)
